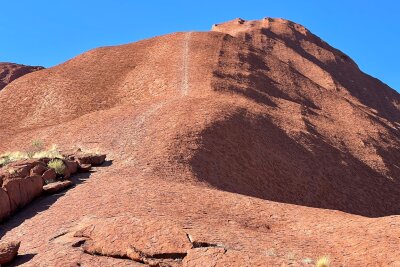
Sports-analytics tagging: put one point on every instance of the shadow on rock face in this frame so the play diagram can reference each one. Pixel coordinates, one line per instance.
(21, 259)
(38, 205)
(254, 157)
(106, 163)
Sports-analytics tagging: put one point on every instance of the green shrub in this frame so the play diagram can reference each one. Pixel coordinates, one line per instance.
(58, 165)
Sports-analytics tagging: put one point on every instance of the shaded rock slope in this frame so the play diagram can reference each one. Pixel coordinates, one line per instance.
(11, 71)
(255, 143)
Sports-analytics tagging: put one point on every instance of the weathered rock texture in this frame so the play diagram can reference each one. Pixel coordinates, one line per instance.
(11, 71)
(258, 140)
(8, 251)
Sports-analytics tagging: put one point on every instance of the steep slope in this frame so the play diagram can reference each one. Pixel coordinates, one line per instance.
(215, 135)
(12, 71)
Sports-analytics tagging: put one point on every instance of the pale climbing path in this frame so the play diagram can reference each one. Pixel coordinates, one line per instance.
(185, 65)
(141, 120)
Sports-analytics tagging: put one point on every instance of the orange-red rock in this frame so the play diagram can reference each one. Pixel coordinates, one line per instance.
(140, 240)
(55, 187)
(21, 191)
(49, 176)
(257, 137)
(5, 208)
(92, 159)
(8, 251)
(38, 169)
(71, 166)
(12, 71)
(84, 167)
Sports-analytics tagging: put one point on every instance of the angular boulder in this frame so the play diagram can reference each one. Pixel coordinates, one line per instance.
(72, 166)
(49, 175)
(8, 251)
(93, 159)
(38, 169)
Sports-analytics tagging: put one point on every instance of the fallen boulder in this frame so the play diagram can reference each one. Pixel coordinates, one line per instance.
(72, 166)
(21, 191)
(5, 208)
(93, 159)
(38, 169)
(56, 186)
(8, 251)
(49, 176)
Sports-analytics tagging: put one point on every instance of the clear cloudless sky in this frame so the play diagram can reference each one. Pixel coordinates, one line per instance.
(49, 32)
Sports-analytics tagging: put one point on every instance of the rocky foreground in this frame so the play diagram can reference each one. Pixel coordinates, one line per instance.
(254, 144)
(22, 181)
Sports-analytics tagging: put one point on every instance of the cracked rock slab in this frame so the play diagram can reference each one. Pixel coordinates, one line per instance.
(154, 242)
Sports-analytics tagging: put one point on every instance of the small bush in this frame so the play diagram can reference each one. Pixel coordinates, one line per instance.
(58, 165)
(323, 262)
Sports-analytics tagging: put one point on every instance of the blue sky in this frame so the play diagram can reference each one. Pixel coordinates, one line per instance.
(49, 32)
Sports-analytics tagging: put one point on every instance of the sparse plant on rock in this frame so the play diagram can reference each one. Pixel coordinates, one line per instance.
(4, 160)
(58, 166)
(37, 146)
(53, 152)
(323, 262)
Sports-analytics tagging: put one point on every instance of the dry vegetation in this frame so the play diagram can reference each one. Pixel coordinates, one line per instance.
(323, 262)
(58, 166)
(35, 152)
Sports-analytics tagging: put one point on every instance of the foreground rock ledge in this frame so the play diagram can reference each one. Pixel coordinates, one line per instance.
(22, 181)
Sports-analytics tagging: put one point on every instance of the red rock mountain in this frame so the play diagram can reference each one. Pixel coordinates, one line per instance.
(253, 144)
(12, 71)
